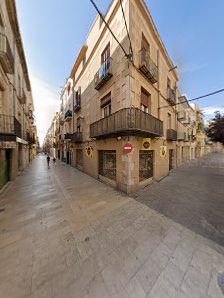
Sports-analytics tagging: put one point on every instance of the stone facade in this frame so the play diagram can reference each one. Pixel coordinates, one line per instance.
(111, 100)
(17, 130)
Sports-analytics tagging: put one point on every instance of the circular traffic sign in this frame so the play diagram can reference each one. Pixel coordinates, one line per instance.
(127, 148)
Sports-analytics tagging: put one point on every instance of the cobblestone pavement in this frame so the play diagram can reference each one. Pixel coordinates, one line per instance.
(65, 234)
(193, 196)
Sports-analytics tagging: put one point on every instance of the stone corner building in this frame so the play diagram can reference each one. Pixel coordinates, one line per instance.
(109, 102)
(17, 130)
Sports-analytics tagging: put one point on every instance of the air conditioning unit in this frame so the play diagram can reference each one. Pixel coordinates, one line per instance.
(181, 115)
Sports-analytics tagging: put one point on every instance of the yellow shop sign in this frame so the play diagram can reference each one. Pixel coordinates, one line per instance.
(162, 152)
(89, 151)
(146, 144)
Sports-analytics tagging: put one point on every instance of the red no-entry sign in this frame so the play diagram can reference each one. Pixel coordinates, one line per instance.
(127, 148)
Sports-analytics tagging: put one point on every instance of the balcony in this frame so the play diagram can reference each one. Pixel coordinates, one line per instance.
(171, 135)
(68, 115)
(103, 74)
(148, 67)
(171, 96)
(6, 57)
(9, 128)
(128, 121)
(7, 124)
(77, 106)
(30, 139)
(74, 137)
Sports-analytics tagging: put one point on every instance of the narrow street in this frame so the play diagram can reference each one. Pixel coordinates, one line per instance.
(65, 234)
(193, 196)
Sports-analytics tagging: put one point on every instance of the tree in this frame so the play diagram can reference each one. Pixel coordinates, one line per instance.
(215, 130)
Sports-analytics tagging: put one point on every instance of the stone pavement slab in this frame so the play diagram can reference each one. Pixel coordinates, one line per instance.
(59, 238)
(192, 195)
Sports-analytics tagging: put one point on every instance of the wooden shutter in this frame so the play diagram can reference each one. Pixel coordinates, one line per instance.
(144, 98)
(79, 94)
(105, 100)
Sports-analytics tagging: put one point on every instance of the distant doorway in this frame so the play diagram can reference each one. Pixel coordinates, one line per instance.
(171, 159)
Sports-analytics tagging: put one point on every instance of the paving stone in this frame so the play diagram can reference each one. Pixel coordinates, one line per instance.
(60, 238)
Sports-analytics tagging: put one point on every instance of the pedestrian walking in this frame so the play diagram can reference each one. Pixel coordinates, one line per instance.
(48, 161)
(54, 160)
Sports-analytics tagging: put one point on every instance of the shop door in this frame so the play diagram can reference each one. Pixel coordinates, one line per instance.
(171, 159)
(145, 164)
(68, 158)
(79, 159)
(4, 166)
(107, 164)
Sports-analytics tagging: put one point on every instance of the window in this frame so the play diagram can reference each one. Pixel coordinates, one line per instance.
(105, 58)
(106, 105)
(145, 48)
(19, 86)
(145, 101)
(1, 19)
(77, 101)
(106, 54)
(79, 124)
(68, 89)
(168, 83)
(107, 110)
(107, 163)
(145, 164)
(169, 121)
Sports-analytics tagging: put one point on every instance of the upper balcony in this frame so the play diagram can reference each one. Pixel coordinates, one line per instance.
(148, 67)
(77, 105)
(6, 57)
(9, 125)
(74, 137)
(103, 74)
(171, 135)
(128, 121)
(68, 115)
(171, 96)
(30, 138)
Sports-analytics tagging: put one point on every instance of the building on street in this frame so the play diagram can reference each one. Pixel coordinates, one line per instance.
(119, 121)
(17, 130)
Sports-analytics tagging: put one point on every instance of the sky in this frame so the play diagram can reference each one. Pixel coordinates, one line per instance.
(53, 32)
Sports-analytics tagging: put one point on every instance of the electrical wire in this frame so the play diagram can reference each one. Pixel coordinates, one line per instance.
(126, 55)
(193, 99)
(126, 29)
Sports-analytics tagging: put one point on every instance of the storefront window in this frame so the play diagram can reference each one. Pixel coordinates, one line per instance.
(145, 164)
(107, 164)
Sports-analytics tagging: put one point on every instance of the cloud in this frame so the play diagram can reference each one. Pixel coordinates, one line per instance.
(210, 111)
(46, 104)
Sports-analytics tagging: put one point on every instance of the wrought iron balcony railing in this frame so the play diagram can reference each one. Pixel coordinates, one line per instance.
(128, 121)
(171, 96)
(74, 137)
(103, 74)
(68, 115)
(77, 105)
(148, 67)
(6, 56)
(171, 135)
